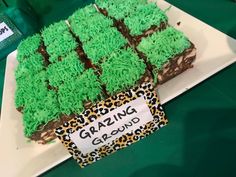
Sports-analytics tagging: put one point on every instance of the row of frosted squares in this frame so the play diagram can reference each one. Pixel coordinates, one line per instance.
(70, 67)
(72, 82)
(163, 46)
(87, 22)
(32, 96)
(62, 87)
(44, 93)
(97, 33)
(58, 40)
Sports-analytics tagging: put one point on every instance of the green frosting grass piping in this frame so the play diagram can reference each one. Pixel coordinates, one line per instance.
(87, 28)
(104, 44)
(32, 86)
(73, 94)
(66, 70)
(122, 70)
(164, 45)
(64, 44)
(58, 41)
(145, 17)
(53, 31)
(28, 47)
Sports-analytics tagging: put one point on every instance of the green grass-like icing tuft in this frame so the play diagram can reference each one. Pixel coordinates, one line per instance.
(66, 70)
(58, 41)
(40, 104)
(30, 66)
(72, 95)
(164, 45)
(30, 87)
(84, 13)
(28, 47)
(119, 9)
(145, 17)
(51, 33)
(40, 111)
(104, 44)
(64, 44)
(122, 70)
(87, 28)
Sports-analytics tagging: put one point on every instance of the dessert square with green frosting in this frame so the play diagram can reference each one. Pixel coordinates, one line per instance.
(28, 47)
(40, 111)
(58, 41)
(86, 29)
(73, 95)
(121, 70)
(38, 103)
(163, 46)
(31, 65)
(83, 14)
(104, 44)
(66, 70)
(144, 18)
(119, 9)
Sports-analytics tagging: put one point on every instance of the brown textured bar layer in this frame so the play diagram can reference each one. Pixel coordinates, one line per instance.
(43, 52)
(177, 65)
(46, 133)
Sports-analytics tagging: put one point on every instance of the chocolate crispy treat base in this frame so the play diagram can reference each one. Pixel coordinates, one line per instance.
(43, 52)
(45, 133)
(177, 65)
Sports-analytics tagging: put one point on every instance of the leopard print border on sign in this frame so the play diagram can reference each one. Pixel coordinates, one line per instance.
(159, 120)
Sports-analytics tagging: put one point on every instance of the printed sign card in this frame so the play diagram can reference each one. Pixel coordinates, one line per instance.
(9, 34)
(5, 31)
(112, 124)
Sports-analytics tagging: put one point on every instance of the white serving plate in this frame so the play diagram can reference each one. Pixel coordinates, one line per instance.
(19, 158)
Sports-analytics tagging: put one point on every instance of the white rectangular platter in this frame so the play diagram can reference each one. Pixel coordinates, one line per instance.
(18, 157)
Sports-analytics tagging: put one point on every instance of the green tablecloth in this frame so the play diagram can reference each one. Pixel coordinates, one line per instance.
(200, 139)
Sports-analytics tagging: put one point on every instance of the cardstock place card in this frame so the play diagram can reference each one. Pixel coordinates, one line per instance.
(112, 124)
(5, 31)
(9, 34)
